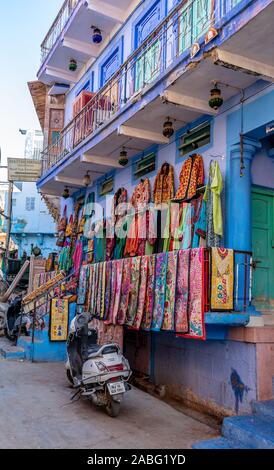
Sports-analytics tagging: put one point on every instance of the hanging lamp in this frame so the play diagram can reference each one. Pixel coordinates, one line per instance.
(87, 179)
(168, 129)
(123, 159)
(216, 100)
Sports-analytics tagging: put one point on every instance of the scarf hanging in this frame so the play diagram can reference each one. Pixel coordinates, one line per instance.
(118, 287)
(109, 319)
(107, 289)
(99, 291)
(222, 279)
(90, 286)
(103, 290)
(83, 285)
(149, 301)
(134, 290)
(121, 317)
(94, 291)
(168, 323)
(159, 298)
(181, 302)
(142, 293)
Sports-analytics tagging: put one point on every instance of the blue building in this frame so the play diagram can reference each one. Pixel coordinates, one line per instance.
(158, 61)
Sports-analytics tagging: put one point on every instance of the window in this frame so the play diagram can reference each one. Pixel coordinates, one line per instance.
(144, 165)
(112, 63)
(195, 138)
(30, 203)
(106, 186)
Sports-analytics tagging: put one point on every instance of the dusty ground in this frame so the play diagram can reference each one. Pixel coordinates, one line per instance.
(36, 412)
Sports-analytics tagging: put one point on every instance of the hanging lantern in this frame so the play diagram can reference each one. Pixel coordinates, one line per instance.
(123, 160)
(66, 193)
(72, 65)
(168, 129)
(215, 100)
(87, 179)
(97, 35)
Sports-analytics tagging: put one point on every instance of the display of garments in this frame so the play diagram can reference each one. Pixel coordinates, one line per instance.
(149, 301)
(108, 289)
(118, 287)
(133, 291)
(83, 284)
(99, 242)
(222, 279)
(103, 291)
(122, 312)
(142, 293)
(191, 177)
(214, 207)
(181, 300)
(164, 184)
(159, 297)
(65, 261)
(116, 244)
(171, 274)
(78, 256)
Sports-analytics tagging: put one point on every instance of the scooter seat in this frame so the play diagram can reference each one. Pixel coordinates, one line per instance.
(93, 350)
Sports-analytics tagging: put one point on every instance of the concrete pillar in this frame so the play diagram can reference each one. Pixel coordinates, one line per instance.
(240, 189)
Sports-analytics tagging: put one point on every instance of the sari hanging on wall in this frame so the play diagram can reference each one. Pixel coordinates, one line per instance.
(103, 290)
(94, 290)
(142, 293)
(181, 302)
(134, 290)
(90, 286)
(107, 289)
(171, 273)
(83, 284)
(196, 311)
(149, 301)
(122, 312)
(119, 274)
(159, 297)
(222, 279)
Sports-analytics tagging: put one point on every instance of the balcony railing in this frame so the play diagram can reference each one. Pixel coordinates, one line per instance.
(186, 23)
(56, 29)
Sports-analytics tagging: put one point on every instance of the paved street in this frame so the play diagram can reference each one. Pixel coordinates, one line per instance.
(36, 412)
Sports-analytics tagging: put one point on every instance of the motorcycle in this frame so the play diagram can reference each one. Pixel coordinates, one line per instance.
(100, 373)
(15, 320)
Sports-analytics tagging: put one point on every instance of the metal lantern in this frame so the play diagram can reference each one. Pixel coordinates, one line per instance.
(215, 100)
(66, 193)
(87, 179)
(97, 35)
(72, 65)
(123, 160)
(168, 129)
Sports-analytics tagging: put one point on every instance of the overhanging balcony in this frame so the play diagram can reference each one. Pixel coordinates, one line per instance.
(169, 75)
(70, 36)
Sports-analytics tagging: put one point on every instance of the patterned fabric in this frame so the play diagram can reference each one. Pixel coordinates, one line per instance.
(119, 274)
(196, 295)
(83, 285)
(94, 292)
(168, 323)
(191, 177)
(149, 301)
(103, 291)
(99, 291)
(121, 317)
(134, 290)
(159, 298)
(212, 197)
(222, 279)
(108, 289)
(142, 293)
(116, 244)
(108, 333)
(90, 286)
(109, 319)
(181, 303)
(164, 184)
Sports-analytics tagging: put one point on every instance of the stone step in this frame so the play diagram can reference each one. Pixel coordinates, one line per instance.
(218, 443)
(265, 408)
(9, 351)
(254, 432)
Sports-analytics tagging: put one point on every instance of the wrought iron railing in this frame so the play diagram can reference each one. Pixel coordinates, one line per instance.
(187, 22)
(57, 27)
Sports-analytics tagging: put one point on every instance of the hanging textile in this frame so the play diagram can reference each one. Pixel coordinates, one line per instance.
(196, 295)
(94, 291)
(118, 287)
(108, 334)
(181, 302)
(121, 317)
(107, 289)
(159, 297)
(214, 207)
(222, 279)
(65, 261)
(164, 184)
(103, 291)
(117, 243)
(59, 320)
(149, 301)
(134, 290)
(187, 227)
(78, 256)
(83, 285)
(90, 287)
(100, 242)
(191, 177)
(171, 274)
(199, 223)
(99, 291)
(142, 293)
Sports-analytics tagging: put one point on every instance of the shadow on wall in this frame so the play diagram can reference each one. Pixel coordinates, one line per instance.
(238, 387)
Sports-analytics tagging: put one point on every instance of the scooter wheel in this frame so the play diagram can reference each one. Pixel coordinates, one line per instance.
(113, 408)
(69, 377)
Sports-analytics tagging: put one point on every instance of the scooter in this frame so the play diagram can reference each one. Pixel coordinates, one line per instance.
(99, 373)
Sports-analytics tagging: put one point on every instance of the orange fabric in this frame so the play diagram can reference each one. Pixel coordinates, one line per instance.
(192, 176)
(164, 184)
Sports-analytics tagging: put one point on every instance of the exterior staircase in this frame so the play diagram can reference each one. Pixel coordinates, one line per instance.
(254, 431)
(9, 351)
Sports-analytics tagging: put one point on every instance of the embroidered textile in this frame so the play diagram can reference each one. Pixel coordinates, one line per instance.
(222, 279)
(181, 302)
(142, 293)
(122, 312)
(134, 290)
(149, 301)
(191, 177)
(159, 298)
(171, 273)
(164, 184)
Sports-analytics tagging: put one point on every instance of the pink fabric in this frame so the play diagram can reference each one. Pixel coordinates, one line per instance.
(181, 303)
(142, 293)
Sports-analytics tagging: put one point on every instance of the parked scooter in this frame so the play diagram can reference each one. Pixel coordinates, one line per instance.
(16, 321)
(100, 373)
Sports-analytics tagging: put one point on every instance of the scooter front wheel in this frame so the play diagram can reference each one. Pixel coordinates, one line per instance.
(69, 377)
(113, 407)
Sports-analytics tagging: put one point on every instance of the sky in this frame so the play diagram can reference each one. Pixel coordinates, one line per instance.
(23, 26)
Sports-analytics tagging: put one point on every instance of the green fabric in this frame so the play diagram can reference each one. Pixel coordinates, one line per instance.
(216, 188)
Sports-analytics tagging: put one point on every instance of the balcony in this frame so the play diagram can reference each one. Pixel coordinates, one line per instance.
(182, 57)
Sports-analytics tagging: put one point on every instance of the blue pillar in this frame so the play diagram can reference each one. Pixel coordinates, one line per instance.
(240, 190)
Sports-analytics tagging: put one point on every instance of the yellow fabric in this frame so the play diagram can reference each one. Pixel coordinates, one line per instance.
(222, 279)
(216, 188)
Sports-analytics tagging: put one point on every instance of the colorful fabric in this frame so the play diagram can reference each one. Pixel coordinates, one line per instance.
(196, 295)
(212, 197)
(191, 177)
(149, 301)
(94, 291)
(222, 279)
(107, 289)
(171, 273)
(90, 286)
(103, 291)
(118, 287)
(142, 293)
(134, 290)
(99, 291)
(121, 317)
(59, 320)
(78, 256)
(181, 302)
(109, 318)
(83, 285)
(159, 298)
(164, 184)
(108, 333)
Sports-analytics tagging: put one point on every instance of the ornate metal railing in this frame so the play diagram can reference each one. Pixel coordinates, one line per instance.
(186, 23)
(57, 27)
